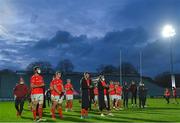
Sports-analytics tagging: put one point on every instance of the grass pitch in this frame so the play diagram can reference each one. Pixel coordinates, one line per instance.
(157, 111)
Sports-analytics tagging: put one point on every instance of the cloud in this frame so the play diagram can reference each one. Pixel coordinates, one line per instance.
(88, 33)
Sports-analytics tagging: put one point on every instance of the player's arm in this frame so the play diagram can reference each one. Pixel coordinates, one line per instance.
(37, 86)
(55, 88)
(111, 89)
(72, 88)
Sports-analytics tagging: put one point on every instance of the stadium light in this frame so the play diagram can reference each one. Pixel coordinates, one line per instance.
(169, 32)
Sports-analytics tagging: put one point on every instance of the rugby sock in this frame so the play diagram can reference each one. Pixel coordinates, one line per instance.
(53, 112)
(70, 104)
(60, 112)
(67, 104)
(40, 111)
(86, 113)
(82, 112)
(34, 114)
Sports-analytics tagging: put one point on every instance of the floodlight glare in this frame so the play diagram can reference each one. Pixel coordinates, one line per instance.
(168, 31)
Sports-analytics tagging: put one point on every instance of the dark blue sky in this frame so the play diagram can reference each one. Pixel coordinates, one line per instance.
(88, 32)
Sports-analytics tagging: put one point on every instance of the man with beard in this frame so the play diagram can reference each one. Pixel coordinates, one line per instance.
(37, 93)
(103, 98)
(85, 93)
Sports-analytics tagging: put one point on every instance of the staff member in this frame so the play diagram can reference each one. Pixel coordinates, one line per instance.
(125, 95)
(20, 92)
(133, 90)
(142, 95)
(102, 98)
(85, 93)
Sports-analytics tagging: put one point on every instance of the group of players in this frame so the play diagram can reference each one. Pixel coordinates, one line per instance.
(109, 96)
(106, 96)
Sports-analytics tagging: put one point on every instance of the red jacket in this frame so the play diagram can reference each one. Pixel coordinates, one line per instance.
(21, 90)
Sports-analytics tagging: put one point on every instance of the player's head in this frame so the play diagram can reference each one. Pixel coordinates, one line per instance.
(37, 70)
(68, 81)
(133, 82)
(111, 82)
(125, 83)
(21, 80)
(86, 75)
(58, 74)
(101, 78)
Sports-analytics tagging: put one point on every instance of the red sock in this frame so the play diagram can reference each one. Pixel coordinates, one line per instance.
(53, 112)
(70, 105)
(86, 112)
(60, 112)
(40, 111)
(82, 112)
(34, 114)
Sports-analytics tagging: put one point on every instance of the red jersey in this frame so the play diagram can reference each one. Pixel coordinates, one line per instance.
(59, 85)
(167, 93)
(112, 88)
(37, 80)
(96, 91)
(119, 90)
(69, 88)
(174, 92)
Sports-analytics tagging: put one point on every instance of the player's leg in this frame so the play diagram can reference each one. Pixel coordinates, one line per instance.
(17, 107)
(59, 106)
(40, 108)
(21, 106)
(67, 103)
(127, 101)
(71, 102)
(34, 101)
(132, 99)
(53, 107)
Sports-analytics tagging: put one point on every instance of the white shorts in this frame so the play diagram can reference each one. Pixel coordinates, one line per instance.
(118, 97)
(69, 97)
(105, 97)
(96, 97)
(37, 97)
(57, 99)
(112, 97)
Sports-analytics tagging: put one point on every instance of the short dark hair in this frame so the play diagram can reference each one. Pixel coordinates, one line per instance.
(36, 67)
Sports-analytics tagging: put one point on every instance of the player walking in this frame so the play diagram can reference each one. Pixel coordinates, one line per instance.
(37, 94)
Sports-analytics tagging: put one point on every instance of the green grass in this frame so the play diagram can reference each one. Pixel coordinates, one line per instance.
(157, 111)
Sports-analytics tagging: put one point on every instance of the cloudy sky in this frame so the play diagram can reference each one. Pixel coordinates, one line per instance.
(89, 33)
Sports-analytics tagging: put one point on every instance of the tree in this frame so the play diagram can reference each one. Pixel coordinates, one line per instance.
(65, 65)
(128, 68)
(45, 67)
(106, 69)
(163, 79)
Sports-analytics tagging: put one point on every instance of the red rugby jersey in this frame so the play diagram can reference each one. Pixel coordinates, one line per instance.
(112, 87)
(59, 85)
(69, 90)
(119, 90)
(37, 80)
